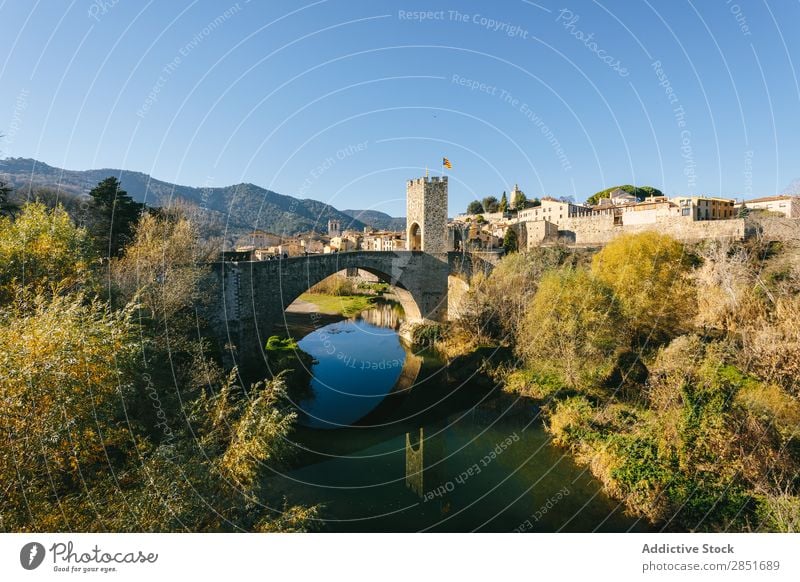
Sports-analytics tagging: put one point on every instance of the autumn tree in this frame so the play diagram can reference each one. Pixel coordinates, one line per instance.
(43, 250)
(66, 373)
(495, 305)
(110, 423)
(571, 329)
(161, 266)
(649, 275)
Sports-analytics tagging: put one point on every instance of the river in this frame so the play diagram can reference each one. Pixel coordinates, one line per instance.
(390, 441)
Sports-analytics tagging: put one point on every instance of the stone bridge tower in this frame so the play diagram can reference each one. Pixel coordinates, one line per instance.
(426, 212)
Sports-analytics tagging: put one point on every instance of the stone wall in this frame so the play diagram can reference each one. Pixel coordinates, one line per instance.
(772, 228)
(601, 229)
(533, 233)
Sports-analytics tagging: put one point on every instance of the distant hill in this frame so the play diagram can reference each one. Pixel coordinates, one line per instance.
(235, 209)
(379, 220)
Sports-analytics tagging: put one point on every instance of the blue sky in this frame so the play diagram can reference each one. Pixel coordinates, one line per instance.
(343, 100)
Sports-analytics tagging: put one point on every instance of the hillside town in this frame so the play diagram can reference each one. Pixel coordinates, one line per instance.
(519, 222)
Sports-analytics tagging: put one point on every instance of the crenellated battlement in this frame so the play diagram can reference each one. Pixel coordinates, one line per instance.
(428, 180)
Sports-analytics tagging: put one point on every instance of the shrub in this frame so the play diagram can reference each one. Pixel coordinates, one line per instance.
(495, 306)
(779, 513)
(648, 274)
(771, 344)
(43, 250)
(426, 334)
(160, 267)
(66, 371)
(571, 329)
(570, 421)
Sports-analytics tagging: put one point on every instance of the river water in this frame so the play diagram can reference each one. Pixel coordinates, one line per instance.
(392, 440)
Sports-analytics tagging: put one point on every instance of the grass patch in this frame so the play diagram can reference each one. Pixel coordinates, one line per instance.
(347, 305)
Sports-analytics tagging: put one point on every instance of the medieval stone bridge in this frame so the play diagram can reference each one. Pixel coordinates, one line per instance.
(251, 297)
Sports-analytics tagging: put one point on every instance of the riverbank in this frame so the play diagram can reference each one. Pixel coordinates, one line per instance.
(302, 318)
(345, 305)
(679, 397)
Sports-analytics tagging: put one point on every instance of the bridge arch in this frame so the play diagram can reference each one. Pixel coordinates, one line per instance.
(406, 298)
(254, 294)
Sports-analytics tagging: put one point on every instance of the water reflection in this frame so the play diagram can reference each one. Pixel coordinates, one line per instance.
(416, 452)
(358, 362)
(489, 467)
(388, 314)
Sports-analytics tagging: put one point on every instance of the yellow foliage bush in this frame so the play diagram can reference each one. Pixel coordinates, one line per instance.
(648, 273)
(571, 329)
(42, 250)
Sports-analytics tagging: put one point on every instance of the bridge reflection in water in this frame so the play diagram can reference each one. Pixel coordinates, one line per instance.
(387, 314)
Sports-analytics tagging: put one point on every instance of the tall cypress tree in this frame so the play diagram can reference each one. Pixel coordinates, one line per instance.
(118, 214)
(503, 202)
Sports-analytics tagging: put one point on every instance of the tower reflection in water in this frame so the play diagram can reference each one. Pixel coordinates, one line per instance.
(425, 459)
(436, 476)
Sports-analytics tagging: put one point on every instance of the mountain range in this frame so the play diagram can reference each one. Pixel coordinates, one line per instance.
(234, 210)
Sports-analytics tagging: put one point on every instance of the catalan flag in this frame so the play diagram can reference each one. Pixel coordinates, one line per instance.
(446, 163)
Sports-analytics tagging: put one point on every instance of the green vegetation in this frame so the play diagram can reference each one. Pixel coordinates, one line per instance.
(5, 206)
(670, 372)
(641, 192)
(571, 329)
(490, 204)
(520, 201)
(426, 334)
(496, 305)
(648, 274)
(337, 295)
(378, 288)
(292, 364)
(347, 305)
(510, 241)
(335, 285)
(116, 417)
(475, 207)
(503, 205)
(116, 217)
(43, 252)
